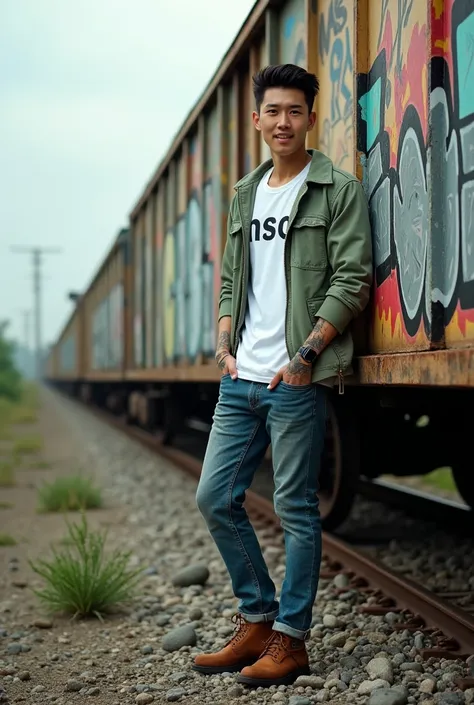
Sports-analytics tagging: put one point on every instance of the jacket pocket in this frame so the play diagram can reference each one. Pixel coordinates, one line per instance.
(308, 245)
(236, 232)
(313, 305)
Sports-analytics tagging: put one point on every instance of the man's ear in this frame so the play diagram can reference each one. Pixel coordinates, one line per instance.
(256, 121)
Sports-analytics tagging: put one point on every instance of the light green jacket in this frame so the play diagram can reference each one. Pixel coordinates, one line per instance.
(328, 260)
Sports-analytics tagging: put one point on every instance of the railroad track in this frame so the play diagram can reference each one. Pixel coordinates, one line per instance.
(448, 629)
(459, 517)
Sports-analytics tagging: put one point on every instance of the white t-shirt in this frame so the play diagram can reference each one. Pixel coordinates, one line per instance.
(262, 348)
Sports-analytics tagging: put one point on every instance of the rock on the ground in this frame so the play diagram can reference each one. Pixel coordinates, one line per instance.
(144, 698)
(299, 700)
(380, 668)
(387, 696)
(43, 623)
(315, 682)
(367, 687)
(181, 636)
(449, 699)
(192, 575)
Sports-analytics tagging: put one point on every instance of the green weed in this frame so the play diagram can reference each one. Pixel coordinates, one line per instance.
(7, 540)
(27, 445)
(69, 494)
(7, 473)
(442, 478)
(81, 580)
(40, 465)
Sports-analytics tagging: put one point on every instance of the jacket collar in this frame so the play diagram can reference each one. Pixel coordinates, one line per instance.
(320, 171)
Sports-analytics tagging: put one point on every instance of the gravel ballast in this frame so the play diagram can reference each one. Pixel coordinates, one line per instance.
(145, 655)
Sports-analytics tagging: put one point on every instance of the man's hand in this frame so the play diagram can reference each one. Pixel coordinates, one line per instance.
(225, 361)
(296, 372)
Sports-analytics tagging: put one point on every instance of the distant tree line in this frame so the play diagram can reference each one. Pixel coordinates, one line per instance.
(10, 377)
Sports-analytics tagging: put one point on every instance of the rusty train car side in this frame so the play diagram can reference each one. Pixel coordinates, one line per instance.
(394, 108)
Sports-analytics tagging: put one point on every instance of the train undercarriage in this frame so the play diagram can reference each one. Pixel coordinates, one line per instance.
(371, 432)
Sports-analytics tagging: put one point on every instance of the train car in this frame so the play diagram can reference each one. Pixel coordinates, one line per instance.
(50, 365)
(395, 108)
(104, 305)
(65, 360)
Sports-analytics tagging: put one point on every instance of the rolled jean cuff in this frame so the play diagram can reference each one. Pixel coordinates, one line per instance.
(289, 631)
(256, 618)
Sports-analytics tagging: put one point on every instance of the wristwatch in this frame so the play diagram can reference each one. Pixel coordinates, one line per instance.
(308, 354)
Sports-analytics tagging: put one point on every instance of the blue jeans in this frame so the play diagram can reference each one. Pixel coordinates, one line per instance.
(247, 418)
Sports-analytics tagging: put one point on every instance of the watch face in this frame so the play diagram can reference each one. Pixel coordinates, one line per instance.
(308, 354)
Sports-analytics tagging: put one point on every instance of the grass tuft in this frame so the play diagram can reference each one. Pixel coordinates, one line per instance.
(27, 445)
(442, 478)
(40, 465)
(7, 540)
(6, 505)
(81, 580)
(72, 493)
(23, 410)
(7, 473)
(23, 415)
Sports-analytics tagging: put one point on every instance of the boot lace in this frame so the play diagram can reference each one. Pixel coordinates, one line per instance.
(275, 644)
(241, 629)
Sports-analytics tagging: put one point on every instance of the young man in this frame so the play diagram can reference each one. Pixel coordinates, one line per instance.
(296, 269)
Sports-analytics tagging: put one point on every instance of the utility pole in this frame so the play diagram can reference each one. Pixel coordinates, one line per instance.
(37, 253)
(26, 342)
(26, 330)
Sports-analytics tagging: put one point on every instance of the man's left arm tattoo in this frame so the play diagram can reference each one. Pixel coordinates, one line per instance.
(321, 335)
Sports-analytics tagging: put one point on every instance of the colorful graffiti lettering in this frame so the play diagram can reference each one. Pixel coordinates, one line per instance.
(335, 23)
(189, 261)
(420, 191)
(168, 297)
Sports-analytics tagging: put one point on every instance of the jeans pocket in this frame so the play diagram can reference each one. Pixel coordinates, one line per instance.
(297, 387)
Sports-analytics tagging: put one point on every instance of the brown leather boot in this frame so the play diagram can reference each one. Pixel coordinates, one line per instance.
(243, 649)
(281, 662)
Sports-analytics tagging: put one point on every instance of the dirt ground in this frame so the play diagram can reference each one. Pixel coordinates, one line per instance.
(35, 534)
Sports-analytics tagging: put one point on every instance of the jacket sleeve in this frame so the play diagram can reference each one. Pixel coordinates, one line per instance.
(225, 295)
(349, 247)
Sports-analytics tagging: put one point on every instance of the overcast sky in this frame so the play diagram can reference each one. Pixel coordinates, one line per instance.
(91, 95)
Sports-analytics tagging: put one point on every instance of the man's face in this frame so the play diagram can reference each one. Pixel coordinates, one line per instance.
(284, 120)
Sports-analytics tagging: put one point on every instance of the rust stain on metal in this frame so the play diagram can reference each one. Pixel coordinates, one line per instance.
(453, 367)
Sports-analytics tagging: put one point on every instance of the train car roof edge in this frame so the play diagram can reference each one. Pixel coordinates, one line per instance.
(116, 241)
(225, 65)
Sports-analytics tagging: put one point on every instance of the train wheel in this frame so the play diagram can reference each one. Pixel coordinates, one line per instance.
(340, 466)
(464, 480)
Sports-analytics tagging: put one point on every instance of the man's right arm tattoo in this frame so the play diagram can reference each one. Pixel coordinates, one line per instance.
(223, 348)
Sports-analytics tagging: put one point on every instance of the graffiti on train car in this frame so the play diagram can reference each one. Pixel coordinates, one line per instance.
(107, 331)
(189, 266)
(335, 23)
(293, 33)
(420, 196)
(67, 353)
(191, 260)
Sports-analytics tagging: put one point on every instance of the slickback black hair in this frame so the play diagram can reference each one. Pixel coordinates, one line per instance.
(285, 76)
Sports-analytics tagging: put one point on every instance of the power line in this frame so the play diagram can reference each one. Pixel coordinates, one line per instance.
(37, 253)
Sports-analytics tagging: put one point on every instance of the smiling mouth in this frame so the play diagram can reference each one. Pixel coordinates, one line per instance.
(283, 137)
